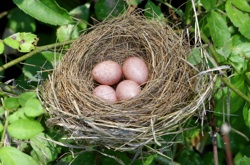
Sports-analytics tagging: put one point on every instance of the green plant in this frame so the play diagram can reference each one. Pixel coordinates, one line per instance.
(219, 29)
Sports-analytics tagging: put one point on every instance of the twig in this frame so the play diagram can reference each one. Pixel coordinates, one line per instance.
(10, 89)
(225, 129)
(4, 129)
(35, 51)
(213, 135)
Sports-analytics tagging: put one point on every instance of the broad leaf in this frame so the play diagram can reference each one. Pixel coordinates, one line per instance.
(218, 29)
(238, 62)
(208, 5)
(20, 21)
(195, 56)
(11, 103)
(1, 47)
(24, 129)
(41, 64)
(149, 160)
(45, 150)
(23, 42)
(25, 97)
(45, 11)
(13, 156)
(152, 11)
(33, 108)
(238, 18)
(109, 8)
(242, 5)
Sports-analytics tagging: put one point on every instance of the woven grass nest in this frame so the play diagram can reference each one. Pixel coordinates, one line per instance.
(168, 99)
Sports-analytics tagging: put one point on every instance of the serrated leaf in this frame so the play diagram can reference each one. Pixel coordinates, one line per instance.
(13, 156)
(41, 64)
(23, 42)
(1, 47)
(11, 103)
(24, 129)
(109, 8)
(33, 108)
(218, 29)
(45, 150)
(25, 97)
(45, 11)
(152, 11)
(246, 114)
(18, 21)
(208, 5)
(242, 5)
(238, 18)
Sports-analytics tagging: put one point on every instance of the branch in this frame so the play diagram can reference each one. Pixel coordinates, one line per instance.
(32, 53)
(224, 79)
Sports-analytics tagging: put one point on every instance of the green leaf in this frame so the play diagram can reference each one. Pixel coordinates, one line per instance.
(41, 65)
(24, 129)
(208, 5)
(242, 5)
(67, 32)
(25, 97)
(149, 160)
(152, 11)
(24, 42)
(246, 114)
(109, 8)
(243, 161)
(20, 21)
(33, 108)
(243, 49)
(17, 115)
(12, 156)
(45, 150)
(1, 47)
(195, 56)
(236, 102)
(82, 13)
(87, 157)
(238, 62)
(45, 11)
(218, 29)
(11, 103)
(238, 18)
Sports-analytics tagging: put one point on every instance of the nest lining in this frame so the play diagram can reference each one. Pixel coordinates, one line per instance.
(167, 100)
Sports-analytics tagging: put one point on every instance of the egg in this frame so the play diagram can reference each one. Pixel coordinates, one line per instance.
(106, 93)
(107, 72)
(127, 89)
(135, 69)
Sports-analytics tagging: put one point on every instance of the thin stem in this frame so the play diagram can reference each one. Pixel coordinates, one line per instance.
(4, 131)
(30, 54)
(224, 79)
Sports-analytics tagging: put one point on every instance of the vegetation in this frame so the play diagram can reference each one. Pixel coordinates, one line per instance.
(36, 33)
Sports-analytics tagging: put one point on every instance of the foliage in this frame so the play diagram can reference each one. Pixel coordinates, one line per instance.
(26, 139)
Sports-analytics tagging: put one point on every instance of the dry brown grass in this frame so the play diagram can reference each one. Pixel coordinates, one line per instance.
(171, 96)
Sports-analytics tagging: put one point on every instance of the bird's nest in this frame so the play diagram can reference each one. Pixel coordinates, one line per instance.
(171, 96)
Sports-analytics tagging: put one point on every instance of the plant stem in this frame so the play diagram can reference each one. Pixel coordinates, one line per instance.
(35, 51)
(224, 79)
(4, 130)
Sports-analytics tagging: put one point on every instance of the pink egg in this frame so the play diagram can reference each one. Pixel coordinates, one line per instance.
(107, 72)
(106, 93)
(127, 89)
(135, 69)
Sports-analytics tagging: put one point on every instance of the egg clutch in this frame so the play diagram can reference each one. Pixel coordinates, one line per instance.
(118, 82)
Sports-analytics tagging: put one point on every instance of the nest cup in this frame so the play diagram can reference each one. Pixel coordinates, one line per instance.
(167, 100)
